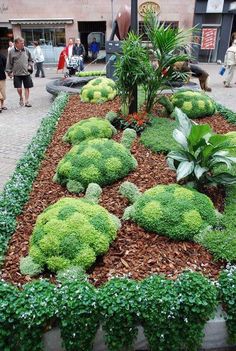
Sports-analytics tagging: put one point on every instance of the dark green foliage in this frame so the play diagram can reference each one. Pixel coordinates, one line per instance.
(78, 313)
(200, 152)
(158, 136)
(118, 304)
(227, 282)
(17, 189)
(8, 323)
(167, 308)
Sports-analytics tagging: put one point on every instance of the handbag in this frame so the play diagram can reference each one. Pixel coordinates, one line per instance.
(30, 69)
(222, 71)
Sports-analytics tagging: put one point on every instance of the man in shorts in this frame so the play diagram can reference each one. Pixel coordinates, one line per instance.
(19, 66)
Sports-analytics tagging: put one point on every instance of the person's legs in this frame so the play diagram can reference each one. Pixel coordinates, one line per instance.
(37, 69)
(27, 85)
(229, 77)
(42, 70)
(18, 85)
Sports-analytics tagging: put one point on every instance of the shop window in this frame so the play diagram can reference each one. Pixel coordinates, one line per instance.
(45, 36)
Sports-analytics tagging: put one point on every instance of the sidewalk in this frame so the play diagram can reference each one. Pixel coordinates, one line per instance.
(19, 124)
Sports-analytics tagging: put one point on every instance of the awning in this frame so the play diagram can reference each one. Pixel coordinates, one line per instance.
(42, 21)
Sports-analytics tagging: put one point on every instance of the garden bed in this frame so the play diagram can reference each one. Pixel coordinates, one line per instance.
(135, 253)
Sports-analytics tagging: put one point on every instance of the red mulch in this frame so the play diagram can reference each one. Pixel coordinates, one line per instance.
(134, 253)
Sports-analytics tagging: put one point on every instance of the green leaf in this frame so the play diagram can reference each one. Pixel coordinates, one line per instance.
(198, 132)
(180, 138)
(178, 156)
(185, 124)
(223, 178)
(199, 171)
(184, 169)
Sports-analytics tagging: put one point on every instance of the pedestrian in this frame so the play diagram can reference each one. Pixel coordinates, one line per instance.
(79, 50)
(39, 59)
(230, 64)
(69, 49)
(94, 49)
(20, 65)
(10, 46)
(3, 61)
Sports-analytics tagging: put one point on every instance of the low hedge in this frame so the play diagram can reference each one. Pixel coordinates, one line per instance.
(163, 307)
(17, 189)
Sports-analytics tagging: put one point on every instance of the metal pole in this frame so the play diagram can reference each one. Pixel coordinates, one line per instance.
(112, 13)
(134, 27)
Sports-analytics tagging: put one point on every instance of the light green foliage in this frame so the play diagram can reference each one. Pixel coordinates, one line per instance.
(71, 232)
(29, 267)
(98, 90)
(90, 73)
(158, 136)
(173, 211)
(128, 137)
(93, 192)
(222, 242)
(130, 191)
(227, 282)
(91, 128)
(118, 304)
(111, 116)
(194, 104)
(74, 273)
(100, 161)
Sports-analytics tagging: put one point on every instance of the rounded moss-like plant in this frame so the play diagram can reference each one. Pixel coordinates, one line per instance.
(99, 90)
(91, 128)
(172, 210)
(71, 232)
(194, 104)
(29, 267)
(100, 161)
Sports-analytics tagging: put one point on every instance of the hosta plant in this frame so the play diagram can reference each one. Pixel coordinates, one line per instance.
(71, 232)
(200, 151)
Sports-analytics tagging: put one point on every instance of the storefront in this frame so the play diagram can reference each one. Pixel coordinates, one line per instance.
(53, 23)
(216, 21)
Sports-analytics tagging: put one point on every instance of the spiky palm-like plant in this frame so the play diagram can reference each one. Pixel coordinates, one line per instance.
(168, 47)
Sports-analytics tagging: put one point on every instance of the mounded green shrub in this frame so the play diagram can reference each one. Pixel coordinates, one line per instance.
(90, 73)
(194, 104)
(100, 161)
(172, 210)
(98, 90)
(91, 128)
(71, 232)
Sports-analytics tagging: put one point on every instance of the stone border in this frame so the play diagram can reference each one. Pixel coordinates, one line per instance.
(71, 85)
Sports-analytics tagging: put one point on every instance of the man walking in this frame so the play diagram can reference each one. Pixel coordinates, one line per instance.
(19, 66)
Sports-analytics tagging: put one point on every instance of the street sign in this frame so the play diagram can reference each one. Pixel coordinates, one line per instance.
(208, 38)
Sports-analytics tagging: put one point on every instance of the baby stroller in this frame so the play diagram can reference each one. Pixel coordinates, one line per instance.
(73, 64)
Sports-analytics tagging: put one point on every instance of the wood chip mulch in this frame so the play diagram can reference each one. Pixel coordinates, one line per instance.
(134, 253)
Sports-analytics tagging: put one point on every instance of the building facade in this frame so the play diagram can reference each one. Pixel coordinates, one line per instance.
(216, 21)
(54, 22)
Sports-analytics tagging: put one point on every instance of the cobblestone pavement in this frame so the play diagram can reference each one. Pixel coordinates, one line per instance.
(19, 124)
